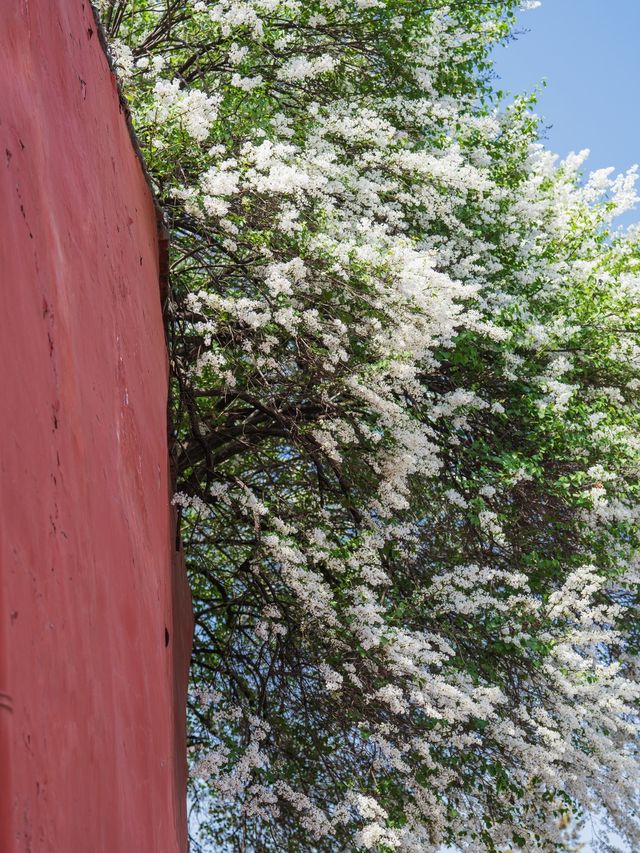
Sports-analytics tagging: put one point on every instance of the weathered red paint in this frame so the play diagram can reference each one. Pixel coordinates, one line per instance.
(94, 609)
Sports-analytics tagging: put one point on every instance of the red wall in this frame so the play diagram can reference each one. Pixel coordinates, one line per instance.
(95, 620)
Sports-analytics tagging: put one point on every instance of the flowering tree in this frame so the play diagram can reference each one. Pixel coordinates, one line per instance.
(405, 421)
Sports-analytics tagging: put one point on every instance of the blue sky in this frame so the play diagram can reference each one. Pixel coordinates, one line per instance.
(588, 51)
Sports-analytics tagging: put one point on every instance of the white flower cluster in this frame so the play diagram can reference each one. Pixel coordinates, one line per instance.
(406, 367)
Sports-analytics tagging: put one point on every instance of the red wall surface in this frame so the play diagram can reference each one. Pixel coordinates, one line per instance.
(95, 620)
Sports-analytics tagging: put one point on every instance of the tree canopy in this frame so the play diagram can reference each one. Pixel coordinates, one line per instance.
(405, 362)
